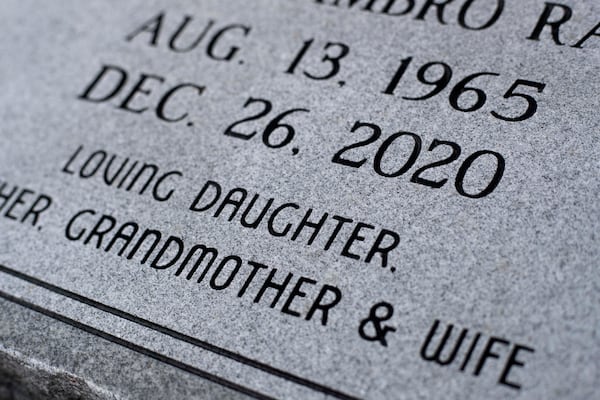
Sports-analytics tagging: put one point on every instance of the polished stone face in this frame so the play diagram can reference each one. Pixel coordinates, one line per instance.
(299, 199)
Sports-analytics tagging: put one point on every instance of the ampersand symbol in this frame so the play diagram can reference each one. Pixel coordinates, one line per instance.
(375, 320)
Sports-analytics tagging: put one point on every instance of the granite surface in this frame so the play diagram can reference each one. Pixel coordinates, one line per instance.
(520, 265)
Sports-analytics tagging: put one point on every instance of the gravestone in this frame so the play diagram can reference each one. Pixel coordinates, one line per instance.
(301, 199)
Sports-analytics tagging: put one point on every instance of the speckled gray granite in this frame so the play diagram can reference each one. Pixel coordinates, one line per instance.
(44, 359)
(514, 270)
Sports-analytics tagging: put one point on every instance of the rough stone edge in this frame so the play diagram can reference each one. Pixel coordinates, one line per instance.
(24, 378)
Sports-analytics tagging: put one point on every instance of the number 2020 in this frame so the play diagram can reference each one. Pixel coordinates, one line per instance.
(407, 164)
